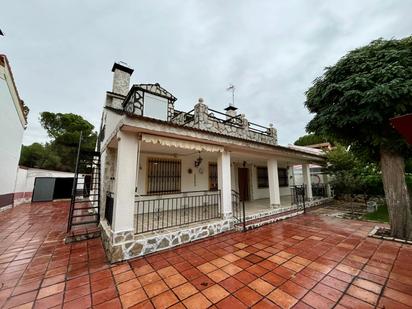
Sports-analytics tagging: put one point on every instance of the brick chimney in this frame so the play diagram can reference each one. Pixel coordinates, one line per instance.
(121, 78)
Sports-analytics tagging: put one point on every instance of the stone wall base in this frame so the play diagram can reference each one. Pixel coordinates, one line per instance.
(126, 245)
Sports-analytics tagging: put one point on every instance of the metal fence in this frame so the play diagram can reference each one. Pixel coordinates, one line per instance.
(238, 208)
(159, 212)
(319, 190)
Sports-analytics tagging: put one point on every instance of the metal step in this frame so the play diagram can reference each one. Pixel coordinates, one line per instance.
(85, 222)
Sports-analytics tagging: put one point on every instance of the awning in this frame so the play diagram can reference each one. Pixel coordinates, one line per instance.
(403, 124)
(170, 142)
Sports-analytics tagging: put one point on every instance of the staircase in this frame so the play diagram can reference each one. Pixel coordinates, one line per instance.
(84, 213)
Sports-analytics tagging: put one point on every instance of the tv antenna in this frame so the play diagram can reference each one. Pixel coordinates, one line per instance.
(232, 88)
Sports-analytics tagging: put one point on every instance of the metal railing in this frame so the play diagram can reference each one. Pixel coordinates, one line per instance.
(238, 208)
(319, 190)
(299, 196)
(160, 212)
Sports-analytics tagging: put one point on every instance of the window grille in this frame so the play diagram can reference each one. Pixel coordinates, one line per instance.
(262, 177)
(283, 177)
(163, 176)
(213, 179)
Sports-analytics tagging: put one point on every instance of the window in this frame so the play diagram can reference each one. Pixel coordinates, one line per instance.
(283, 177)
(263, 180)
(163, 176)
(213, 184)
(262, 177)
(155, 106)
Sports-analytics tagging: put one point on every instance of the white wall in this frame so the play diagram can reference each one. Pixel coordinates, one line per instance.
(197, 181)
(11, 128)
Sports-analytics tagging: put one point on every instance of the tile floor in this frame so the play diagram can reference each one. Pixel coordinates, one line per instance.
(308, 261)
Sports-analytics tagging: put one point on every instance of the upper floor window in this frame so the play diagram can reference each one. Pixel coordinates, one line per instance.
(155, 106)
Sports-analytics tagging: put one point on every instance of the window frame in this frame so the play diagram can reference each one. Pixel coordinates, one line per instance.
(170, 171)
(213, 178)
(262, 181)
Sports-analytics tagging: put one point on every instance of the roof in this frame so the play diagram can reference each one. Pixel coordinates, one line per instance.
(154, 89)
(5, 63)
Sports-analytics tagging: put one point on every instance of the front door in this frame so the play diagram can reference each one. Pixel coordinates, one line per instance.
(243, 176)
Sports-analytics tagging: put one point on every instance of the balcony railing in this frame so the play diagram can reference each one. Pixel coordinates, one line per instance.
(154, 213)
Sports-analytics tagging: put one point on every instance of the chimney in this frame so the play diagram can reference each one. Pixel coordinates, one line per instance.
(121, 78)
(231, 111)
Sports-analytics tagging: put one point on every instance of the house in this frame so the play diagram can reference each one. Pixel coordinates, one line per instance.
(12, 125)
(169, 177)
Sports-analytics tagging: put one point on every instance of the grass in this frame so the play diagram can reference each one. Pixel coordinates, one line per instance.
(380, 215)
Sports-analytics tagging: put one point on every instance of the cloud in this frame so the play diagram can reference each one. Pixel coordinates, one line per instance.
(62, 52)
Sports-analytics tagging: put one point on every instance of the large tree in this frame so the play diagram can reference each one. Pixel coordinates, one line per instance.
(61, 151)
(353, 102)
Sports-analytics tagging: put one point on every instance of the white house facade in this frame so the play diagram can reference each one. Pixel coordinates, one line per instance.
(169, 177)
(12, 125)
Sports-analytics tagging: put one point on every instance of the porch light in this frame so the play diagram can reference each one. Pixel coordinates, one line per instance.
(198, 161)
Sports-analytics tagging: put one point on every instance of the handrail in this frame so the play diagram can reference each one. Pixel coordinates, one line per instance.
(176, 193)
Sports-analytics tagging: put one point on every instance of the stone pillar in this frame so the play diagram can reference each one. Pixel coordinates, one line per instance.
(307, 181)
(274, 193)
(125, 182)
(201, 116)
(224, 182)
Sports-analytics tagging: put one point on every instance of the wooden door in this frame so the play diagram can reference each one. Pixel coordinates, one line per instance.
(243, 177)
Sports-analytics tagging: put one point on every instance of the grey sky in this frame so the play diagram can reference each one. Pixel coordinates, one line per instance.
(61, 52)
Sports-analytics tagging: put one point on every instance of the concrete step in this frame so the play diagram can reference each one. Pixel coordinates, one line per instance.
(82, 234)
(255, 223)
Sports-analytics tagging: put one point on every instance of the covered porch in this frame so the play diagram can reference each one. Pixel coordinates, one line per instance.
(154, 183)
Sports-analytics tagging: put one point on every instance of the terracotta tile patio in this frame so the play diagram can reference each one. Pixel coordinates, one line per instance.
(309, 261)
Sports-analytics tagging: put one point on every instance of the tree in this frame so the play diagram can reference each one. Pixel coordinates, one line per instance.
(353, 102)
(39, 156)
(64, 131)
(60, 153)
(310, 139)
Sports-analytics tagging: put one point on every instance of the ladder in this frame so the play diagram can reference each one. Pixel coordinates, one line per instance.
(84, 210)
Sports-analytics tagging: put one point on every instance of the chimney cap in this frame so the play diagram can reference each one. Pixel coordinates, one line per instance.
(122, 67)
(230, 108)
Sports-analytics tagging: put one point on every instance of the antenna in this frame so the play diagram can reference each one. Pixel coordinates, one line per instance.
(232, 88)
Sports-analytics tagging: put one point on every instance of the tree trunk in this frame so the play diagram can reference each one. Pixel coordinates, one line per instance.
(396, 194)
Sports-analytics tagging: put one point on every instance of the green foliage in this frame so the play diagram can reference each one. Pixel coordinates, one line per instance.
(60, 153)
(310, 139)
(351, 175)
(39, 156)
(381, 214)
(354, 99)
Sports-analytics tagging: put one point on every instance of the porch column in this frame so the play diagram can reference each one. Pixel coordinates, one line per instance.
(327, 185)
(125, 182)
(224, 183)
(274, 193)
(291, 176)
(307, 181)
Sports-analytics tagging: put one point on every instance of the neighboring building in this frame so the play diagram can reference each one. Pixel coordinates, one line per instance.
(40, 185)
(13, 122)
(169, 177)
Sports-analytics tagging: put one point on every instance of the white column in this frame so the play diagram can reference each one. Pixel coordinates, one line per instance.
(291, 176)
(274, 193)
(125, 182)
(224, 182)
(307, 180)
(327, 185)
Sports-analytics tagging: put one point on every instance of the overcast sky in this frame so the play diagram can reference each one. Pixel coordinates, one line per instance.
(61, 52)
